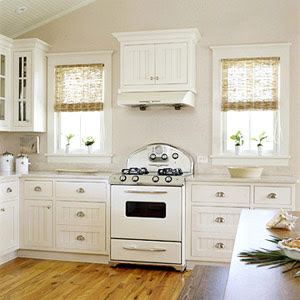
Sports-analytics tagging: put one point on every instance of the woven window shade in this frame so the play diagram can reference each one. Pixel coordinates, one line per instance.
(79, 88)
(250, 84)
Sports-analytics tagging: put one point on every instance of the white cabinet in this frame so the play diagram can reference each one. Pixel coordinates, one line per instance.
(38, 222)
(163, 60)
(9, 223)
(5, 79)
(29, 85)
(138, 65)
(213, 210)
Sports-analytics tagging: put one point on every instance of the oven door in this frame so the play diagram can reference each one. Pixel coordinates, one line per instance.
(146, 212)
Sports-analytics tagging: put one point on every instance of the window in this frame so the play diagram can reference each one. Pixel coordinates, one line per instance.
(251, 95)
(79, 104)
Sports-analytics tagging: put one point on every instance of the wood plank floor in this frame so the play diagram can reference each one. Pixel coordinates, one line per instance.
(36, 279)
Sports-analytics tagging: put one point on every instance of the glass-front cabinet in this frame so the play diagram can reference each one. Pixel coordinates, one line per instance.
(22, 89)
(4, 87)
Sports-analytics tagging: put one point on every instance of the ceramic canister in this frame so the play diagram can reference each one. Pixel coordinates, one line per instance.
(7, 162)
(22, 164)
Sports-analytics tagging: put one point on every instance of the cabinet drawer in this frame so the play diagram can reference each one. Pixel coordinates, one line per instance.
(80, 213)
(81, 190)
(89, 238)
(270, 195)
(215, 219)
(9, 191)
(146, 251)
(221, 194)
(212, 245)
(38, 189)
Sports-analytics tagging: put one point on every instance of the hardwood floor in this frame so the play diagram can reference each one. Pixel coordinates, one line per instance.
(35, 279)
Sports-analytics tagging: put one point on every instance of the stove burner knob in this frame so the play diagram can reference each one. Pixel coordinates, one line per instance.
(152, 156)
(164, 156)
(168, 179)
(155, 178)
(175, 155)
(135, 178)
(122, 178)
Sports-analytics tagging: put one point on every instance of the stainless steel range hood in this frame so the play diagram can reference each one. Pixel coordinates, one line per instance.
(146, 99)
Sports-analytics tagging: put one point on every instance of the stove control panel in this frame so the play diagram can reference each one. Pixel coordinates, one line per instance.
(146, 180)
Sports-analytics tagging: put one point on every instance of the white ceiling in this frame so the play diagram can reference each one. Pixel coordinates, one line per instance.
(38, 12)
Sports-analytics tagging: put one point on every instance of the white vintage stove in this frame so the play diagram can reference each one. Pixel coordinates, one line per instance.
(148, 207)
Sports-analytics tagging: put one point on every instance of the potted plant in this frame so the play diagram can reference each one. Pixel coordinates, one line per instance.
(88, 142)
(68, 137)
(238, 141)
(261, 138)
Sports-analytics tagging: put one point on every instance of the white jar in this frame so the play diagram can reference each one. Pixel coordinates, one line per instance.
(7, 162)
(22, 164)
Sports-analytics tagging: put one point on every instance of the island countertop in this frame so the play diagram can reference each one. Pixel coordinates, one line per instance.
(249, 281)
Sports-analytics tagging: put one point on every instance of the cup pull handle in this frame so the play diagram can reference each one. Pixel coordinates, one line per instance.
(80, 190)
(220, 194)
(219, 245)
(37, 189)
(220, 220)
(9, 190)
(80, 238)
(272, 196)
(80, 214)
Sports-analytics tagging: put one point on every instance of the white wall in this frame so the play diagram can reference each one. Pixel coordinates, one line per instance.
(220, 22)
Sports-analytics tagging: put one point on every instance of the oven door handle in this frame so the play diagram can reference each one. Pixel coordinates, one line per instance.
(145, 192)
(156, 249)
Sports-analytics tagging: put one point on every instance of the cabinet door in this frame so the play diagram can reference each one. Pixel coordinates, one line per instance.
(8, 226)
(138, 65)
(171, 63)
(22, 89)
(38, 221)
(4, 89)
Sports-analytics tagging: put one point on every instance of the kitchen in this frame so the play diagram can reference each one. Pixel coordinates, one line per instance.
(96, 28)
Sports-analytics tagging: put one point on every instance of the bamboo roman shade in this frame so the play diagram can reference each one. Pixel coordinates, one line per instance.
(250, 84)
(79, 88)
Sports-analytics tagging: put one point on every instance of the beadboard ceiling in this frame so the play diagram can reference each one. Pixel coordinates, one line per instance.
(38, 12)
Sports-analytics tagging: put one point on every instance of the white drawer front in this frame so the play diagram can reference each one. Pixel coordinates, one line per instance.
(38, 189)
(80, 213)
(91, 238)
(81, 190)
(272, 195)
(9, 190)
(221, 194)
(212, 246)
(146, 251)
(215, 219)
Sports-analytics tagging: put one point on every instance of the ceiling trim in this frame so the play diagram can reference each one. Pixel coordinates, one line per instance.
(61, 14)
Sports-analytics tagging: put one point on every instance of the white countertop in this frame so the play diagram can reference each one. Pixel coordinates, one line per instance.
(4, 176)
(67, 175)
(227, 178)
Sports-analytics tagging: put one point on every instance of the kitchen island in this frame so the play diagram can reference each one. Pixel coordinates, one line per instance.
(249, 281)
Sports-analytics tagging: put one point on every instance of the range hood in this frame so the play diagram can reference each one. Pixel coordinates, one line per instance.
(146, 99)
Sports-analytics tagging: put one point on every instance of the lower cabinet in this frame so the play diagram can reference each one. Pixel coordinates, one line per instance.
(38, 223)
(9, 223)
(213, 211)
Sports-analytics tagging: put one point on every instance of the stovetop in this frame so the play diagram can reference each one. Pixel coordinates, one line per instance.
(144, 171)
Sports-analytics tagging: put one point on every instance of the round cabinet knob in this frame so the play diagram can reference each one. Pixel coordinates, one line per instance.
(175, 155)
(155, 178)
(135, 178)
(168, 179)
(122, 178)
(152, 156)
(164, 156)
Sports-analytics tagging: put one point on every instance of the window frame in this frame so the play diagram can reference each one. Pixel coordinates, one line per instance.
(105, 154)
(244, 51)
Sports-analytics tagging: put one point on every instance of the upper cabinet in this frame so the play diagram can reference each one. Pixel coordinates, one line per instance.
(5, 75)
(28, 111)
(163, 60)
(23, 84)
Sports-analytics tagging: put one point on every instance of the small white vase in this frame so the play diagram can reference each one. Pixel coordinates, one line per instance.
(237, 150)
(90, 149)
(67, 148)
(259, 150)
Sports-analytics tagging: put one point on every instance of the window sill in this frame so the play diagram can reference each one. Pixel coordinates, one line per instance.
(94, 158)
(250, 160)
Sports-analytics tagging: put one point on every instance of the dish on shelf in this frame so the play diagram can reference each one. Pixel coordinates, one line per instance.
(245, 172)
(291, 248)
